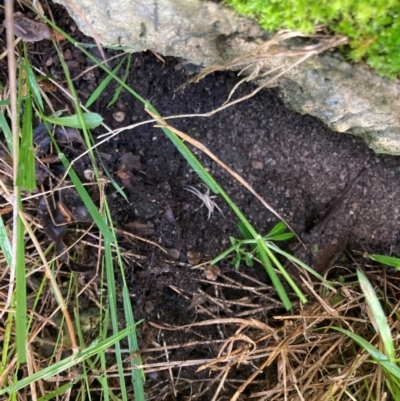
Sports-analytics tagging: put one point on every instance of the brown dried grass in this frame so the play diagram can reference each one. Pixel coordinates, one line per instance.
(295, 356)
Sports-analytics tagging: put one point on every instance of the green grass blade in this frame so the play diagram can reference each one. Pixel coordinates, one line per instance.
(110, 177)
(99, 90)
(394, 386)
(272, 274)
(69, 362)
(26, 177)
(6, 131)
(386, 260)
(296, 261)
(58, 391)
(90, 120)
(244, 231)
(20, 288)
(137, 374)
(80, 119)
(378, 314)
(192, 160)
(112, 304)
(103, 379)
(86, 199)
(124, 78)
(377, 355)
(223, 255)
(284, 273)
(7, 342)
(31, 81)
(5, 243)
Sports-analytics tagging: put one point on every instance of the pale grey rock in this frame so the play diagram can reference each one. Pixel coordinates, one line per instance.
(348, 98)
(193, 29)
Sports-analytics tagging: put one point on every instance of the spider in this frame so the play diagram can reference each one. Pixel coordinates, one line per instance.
(206, 199)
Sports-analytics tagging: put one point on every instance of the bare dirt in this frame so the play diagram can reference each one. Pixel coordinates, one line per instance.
(340, 197)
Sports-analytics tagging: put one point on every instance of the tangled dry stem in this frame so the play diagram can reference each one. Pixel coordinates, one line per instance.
(270, 61)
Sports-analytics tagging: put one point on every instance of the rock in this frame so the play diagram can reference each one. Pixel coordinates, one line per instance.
(348, 98)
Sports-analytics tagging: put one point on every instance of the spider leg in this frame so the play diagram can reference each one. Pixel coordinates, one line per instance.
(206, 199)
(199, 207)
(219, 210)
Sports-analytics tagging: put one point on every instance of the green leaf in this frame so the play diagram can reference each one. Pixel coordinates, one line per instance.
(91, 120)
(249, 259)
(277, 229)
(280, 237)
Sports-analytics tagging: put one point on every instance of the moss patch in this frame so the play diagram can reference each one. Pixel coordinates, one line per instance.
(373, 26)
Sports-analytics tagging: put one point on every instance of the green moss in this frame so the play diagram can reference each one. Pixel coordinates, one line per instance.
(373, 26)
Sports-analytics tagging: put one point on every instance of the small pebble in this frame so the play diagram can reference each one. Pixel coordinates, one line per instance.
(88, 76)
(121, 105)
(82, 214)
(211, 272)
(119, 116)
(89, 175)
(256, 164)
(193, 257)
(174, 254)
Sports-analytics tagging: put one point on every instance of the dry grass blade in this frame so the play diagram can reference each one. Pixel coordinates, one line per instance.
(302, 360)
(245, 322)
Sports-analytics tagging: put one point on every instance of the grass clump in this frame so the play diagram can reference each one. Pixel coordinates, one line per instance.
(373, 26)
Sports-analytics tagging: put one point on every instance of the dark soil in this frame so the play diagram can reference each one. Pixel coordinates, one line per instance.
(337, 194)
